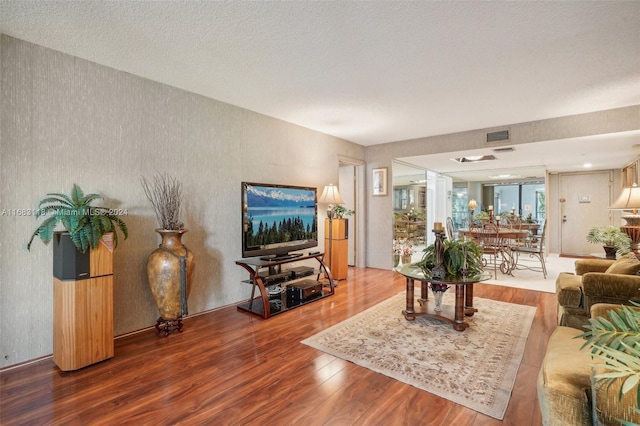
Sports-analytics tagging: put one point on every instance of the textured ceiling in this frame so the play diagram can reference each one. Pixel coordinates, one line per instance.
(369, 72)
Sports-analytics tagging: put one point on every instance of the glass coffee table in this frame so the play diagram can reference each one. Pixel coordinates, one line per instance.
(463, 302)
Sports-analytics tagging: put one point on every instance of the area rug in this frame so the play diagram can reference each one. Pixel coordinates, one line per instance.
(475, 368)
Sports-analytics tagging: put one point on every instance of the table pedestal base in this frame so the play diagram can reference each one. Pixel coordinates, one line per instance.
(454, 315)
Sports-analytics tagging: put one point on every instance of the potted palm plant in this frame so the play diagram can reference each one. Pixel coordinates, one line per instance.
(613, 240)
(83, 275)
(86, 224)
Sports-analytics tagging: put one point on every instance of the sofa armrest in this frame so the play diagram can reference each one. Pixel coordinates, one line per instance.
(608, 405)
(592, 265)
(610, 288)
(602, 309)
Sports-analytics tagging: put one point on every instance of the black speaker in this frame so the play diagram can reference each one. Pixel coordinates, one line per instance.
(68, 262)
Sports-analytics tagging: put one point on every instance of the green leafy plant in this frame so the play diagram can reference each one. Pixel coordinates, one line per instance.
(343, 211)
(481, 216)
(458, 254)
(85, 223)
(610, 236)
(616, 342)
(415, 215)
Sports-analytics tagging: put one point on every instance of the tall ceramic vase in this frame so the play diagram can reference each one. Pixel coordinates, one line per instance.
(169, 270)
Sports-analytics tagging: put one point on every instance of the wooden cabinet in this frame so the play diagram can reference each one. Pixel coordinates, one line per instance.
(82, 322)
(336, 246)
(83, 312)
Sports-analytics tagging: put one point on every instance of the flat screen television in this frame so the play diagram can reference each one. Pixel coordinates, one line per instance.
(278, 219)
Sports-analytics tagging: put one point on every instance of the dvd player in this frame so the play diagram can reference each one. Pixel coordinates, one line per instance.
(301, 271)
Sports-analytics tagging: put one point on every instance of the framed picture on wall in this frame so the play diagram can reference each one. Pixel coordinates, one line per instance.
(380, 181)
(630, 174)
(421, 199)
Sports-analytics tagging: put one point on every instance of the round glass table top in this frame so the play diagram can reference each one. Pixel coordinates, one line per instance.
(411, 270)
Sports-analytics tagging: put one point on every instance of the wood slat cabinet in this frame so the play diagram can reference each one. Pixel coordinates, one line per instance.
(83, 322)
(83, 312)
(337, 248)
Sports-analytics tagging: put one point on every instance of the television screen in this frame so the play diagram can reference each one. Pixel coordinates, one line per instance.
(278, 219)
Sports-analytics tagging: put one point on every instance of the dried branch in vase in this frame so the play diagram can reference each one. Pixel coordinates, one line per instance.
(165, 195)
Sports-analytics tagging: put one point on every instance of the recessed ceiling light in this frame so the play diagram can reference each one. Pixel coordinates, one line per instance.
(505, 177)
(474, 158)
(586, 165)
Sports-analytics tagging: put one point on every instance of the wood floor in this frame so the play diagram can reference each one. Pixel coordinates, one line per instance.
(229, 367)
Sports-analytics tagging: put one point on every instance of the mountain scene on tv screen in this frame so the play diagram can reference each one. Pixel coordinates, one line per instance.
(280, 215)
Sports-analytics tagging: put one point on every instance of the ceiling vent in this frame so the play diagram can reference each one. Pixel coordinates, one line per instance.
(501, 150)
(499, 136)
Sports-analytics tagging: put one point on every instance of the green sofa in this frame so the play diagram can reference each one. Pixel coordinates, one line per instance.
(567, 391)
(596, 281)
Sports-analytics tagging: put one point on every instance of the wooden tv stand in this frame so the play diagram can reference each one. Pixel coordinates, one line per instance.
(272, 279)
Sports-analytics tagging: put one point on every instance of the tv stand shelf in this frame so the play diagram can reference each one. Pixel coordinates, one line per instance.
(266, 275)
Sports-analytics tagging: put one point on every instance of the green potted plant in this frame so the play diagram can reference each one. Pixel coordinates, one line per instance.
(612, 239)
(482, 216)
(85, 223)
(342, 211)
(457, 255)
(82, 275)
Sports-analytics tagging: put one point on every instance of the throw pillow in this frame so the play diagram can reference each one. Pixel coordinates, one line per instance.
(628, 265)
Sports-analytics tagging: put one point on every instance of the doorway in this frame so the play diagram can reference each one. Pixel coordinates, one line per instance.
(351, 186)
(584, 203)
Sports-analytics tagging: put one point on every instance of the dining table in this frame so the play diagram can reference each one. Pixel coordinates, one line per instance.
(507, 238)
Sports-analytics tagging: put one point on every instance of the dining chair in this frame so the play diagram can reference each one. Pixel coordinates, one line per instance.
(489, 239)
(533, 251)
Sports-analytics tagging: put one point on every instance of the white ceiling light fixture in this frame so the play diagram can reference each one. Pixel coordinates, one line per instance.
(505, 177)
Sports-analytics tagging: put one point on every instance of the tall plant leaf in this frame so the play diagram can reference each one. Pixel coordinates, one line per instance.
(85, 223)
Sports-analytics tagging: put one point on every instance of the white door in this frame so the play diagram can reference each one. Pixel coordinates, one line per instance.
(584, 203)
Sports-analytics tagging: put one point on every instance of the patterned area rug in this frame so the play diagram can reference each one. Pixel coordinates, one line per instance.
(475, 368)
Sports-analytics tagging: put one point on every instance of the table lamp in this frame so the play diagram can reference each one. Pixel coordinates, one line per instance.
(472, 206)
(629, 200)
(330, 196)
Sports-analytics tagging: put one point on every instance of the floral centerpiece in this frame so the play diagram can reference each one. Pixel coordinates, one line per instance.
(402, 248)
(438, 287)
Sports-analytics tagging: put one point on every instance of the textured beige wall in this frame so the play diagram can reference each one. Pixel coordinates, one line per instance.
(379, 225)
(65, 120)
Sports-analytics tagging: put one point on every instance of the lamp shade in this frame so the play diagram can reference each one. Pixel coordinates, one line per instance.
(628, 199)
(472, 204)
(330, 195)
